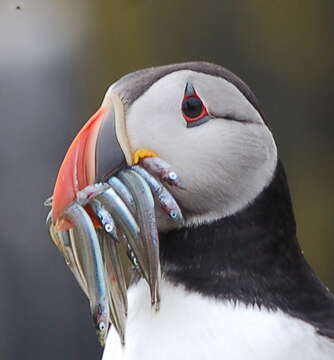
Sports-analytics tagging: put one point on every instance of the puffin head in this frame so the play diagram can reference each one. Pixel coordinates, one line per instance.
(200, 118)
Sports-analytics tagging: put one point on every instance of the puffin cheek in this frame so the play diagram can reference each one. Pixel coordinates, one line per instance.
(226, 170)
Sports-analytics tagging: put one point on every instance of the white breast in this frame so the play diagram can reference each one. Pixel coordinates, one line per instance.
(192, 327)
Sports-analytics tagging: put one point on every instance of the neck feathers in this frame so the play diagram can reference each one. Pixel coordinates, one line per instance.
(251, 257)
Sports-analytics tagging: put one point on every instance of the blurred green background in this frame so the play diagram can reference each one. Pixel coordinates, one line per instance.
(57, 59)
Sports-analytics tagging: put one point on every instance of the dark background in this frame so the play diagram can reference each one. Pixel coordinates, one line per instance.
(57, 58)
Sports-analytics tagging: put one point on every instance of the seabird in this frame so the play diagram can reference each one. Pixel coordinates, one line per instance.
(235, 284)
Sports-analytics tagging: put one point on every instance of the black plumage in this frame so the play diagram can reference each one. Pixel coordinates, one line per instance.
(251, 257)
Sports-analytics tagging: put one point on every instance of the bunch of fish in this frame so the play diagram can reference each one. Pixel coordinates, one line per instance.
(110, 218)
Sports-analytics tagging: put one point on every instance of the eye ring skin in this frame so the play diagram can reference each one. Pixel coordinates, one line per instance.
(200, 121)
(203, 116)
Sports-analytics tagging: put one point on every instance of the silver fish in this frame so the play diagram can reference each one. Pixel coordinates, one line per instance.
(116, 283)
(93, 268)
(146, 217)
(105, 218)
(162, 170)
(62, 240)
(123, 193)
(163, 196)
(127, 224)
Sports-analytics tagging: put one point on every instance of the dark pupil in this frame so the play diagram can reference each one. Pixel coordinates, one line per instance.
(192, 107)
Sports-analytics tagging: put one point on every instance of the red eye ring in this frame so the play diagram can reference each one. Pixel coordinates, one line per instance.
(193, 108)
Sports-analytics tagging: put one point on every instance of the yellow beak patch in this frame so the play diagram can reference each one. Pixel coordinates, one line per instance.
(142, 154)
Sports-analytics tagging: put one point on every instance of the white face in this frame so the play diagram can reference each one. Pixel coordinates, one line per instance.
(224, 164)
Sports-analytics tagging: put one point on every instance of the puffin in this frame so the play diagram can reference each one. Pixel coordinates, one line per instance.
(235, 284)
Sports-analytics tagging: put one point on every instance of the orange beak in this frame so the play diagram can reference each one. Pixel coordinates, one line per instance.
(98, 151)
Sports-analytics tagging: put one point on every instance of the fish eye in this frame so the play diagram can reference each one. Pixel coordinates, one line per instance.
(102, 326)
(172, 175)
(108, 228)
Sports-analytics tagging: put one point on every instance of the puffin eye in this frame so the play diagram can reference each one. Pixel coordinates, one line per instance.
(193, 109)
